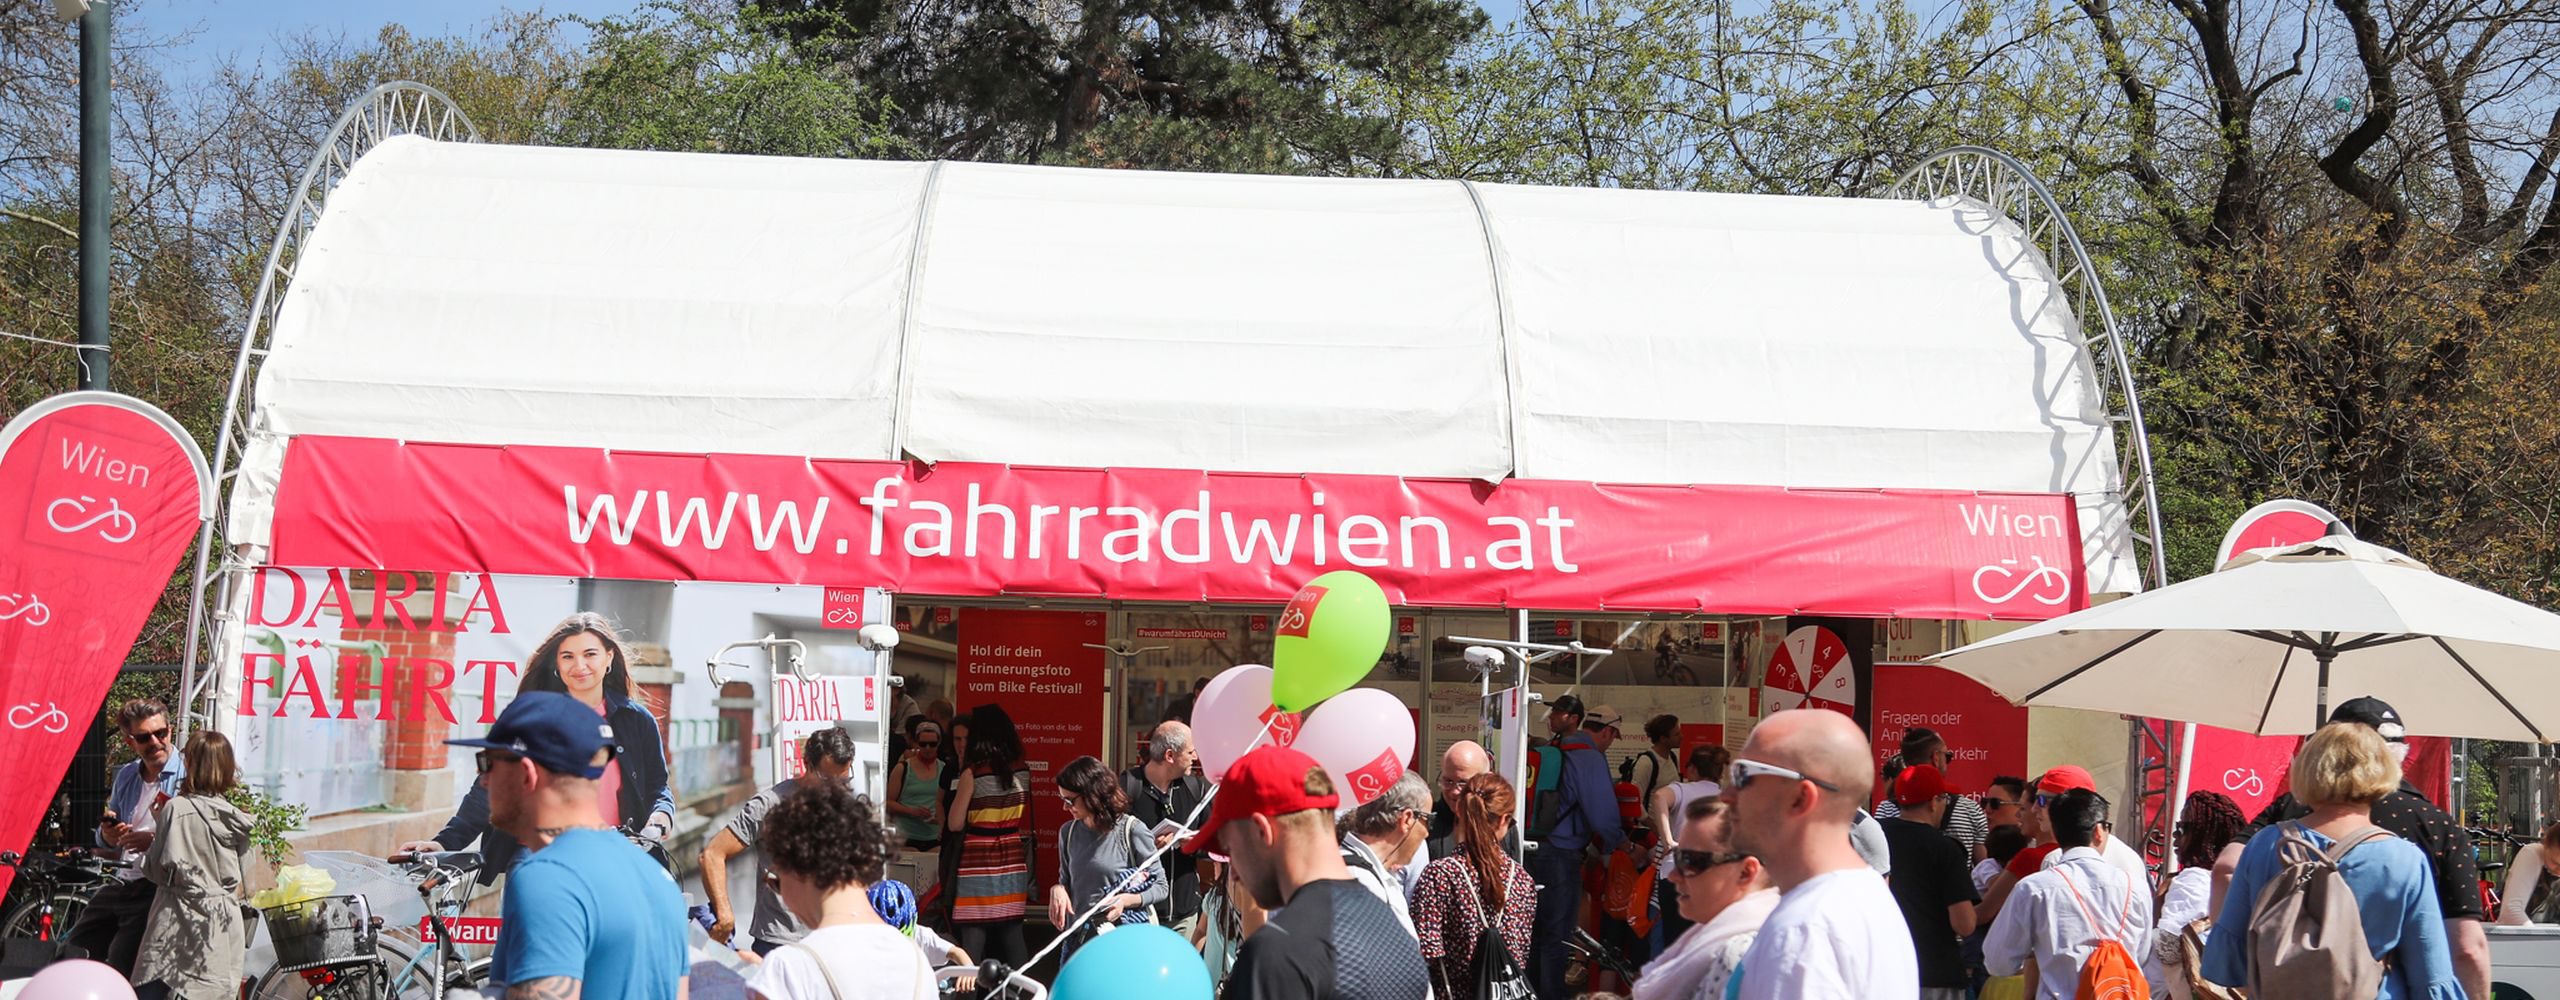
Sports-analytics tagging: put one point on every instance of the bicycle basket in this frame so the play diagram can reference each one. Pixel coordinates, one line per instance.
(330, 930)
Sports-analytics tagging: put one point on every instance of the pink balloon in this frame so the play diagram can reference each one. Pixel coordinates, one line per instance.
(1363, 738)
(1227, 719)
(79, 980)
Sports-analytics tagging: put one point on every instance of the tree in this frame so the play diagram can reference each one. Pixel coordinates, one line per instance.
(1245, 85)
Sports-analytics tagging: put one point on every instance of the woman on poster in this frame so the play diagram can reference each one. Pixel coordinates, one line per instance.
(584, 658)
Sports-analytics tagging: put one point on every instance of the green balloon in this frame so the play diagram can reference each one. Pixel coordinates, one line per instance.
(1327, 639)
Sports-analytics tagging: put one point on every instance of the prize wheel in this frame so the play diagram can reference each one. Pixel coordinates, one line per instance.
(1811, 669)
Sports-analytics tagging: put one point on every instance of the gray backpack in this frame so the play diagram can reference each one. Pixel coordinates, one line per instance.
(2306, 933)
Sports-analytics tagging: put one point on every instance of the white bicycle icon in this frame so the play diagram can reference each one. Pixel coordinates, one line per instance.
(120, 526)
(24, 607)
(2059, 582)
(51, 719)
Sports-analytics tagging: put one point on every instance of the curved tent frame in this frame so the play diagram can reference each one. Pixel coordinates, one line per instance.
(2011, 189)
(391, 109)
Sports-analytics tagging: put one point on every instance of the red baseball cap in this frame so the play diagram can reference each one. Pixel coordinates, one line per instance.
(2066, 778)
(1918, 784)
(1269, 781)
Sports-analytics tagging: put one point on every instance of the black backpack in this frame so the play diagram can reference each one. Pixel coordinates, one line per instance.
(1497, 976)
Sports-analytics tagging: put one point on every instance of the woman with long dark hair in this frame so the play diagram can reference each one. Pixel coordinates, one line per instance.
(1098, 847)
(2209, 821)
(991, 811)
(1460, 896)
(582, 657)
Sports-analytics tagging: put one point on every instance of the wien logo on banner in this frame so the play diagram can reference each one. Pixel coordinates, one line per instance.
(99, 496)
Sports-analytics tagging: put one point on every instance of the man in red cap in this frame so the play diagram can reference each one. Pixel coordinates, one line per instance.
(1932, 881)
(1274, 820)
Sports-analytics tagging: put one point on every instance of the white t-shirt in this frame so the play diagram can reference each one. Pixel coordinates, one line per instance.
(2116, 854)
(870, 962)
(1837, 937)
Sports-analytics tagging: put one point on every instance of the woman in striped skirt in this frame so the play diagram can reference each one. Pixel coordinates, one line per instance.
(991, 811)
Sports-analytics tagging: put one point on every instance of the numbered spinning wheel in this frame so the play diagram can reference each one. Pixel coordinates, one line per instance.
(1811, 669)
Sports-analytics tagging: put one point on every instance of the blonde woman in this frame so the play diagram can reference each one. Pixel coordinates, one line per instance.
(2340, 772)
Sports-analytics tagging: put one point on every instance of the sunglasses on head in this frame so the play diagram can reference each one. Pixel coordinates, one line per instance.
(1689, 862)
(1744, 769)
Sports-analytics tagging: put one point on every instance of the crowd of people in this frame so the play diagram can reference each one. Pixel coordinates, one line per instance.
(1765, 872)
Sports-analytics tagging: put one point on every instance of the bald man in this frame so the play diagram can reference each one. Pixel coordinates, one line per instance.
(1837, 933)
(1465, 760)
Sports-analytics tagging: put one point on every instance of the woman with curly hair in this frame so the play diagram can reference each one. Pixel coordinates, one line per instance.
(582, 657)
(1098, 849)
(2208, 821)
(825, 848)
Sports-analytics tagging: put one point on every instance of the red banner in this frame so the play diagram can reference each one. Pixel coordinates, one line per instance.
(1988, 735)
(964, 529)
(1046, 669)
(99, 496)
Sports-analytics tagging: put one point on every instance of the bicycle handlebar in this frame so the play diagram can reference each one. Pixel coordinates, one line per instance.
(992, 972)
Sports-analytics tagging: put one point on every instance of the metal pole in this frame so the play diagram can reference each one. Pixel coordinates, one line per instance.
(2320, 709)
(97, 192)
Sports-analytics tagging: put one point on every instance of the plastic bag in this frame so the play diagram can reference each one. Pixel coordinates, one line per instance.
(294, 884)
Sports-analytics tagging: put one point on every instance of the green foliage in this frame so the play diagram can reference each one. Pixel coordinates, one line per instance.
(1249, 85)
(269, 821)
(699, 79)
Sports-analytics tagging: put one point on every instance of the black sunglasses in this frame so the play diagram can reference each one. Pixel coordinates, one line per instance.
(1996, 802)
(1699, 862)
(160, 735)
(490, 760)
(929, 745)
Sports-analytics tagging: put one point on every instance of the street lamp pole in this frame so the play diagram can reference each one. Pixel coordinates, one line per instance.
(97, 191)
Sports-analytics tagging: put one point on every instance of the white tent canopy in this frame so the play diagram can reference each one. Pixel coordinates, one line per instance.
(843, 309)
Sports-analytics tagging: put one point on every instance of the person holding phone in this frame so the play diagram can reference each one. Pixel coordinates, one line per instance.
(110, 929)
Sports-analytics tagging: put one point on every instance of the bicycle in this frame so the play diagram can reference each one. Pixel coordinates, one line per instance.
(433, 969)
(51, 890)
(995, 980)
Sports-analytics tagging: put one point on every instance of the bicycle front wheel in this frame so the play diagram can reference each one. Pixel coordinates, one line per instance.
(26, 918)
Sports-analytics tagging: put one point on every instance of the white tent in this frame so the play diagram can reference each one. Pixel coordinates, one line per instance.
(473, 293)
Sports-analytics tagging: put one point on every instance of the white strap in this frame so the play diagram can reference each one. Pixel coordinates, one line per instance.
(833, 990)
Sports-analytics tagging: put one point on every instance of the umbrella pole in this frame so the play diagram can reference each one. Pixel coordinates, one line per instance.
(2320, 712)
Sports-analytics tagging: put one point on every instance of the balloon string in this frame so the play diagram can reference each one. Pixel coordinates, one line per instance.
(1129, 882)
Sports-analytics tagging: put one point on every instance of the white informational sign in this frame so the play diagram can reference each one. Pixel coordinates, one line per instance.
(1508, 714)
(802, 707)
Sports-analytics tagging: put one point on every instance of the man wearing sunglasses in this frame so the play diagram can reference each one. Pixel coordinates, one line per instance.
(588, 914)
(110, 929)
(1837, 932)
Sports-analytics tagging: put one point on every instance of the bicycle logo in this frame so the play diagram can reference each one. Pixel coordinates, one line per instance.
(844, 616)
(51, 719)
(2243, 780)
(120, 526)
(24, 607)
(2059, 589)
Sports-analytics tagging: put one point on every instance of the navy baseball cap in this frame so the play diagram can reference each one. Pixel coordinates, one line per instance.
(551, 729)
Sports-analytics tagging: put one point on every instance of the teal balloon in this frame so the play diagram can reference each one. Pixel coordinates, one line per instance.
(1138, 960)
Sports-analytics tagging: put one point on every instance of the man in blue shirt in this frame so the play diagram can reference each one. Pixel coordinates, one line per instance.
(1586, 817)
(589, 913)
(110, 929)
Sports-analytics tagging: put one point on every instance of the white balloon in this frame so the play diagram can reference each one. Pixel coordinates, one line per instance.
(1363, 737)
(1228, 717)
